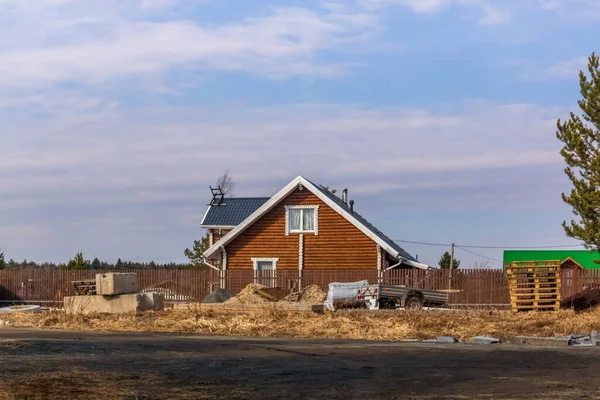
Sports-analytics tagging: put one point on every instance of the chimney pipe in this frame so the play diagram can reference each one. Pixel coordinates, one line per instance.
(345, 196)
(352, 206)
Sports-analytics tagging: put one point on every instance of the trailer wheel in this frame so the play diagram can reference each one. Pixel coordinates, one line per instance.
(414, 303)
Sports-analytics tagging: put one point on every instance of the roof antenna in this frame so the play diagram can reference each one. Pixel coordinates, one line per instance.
(218, 196)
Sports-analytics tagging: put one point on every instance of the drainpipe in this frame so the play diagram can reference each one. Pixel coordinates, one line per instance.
(395, 265)
(205, 262)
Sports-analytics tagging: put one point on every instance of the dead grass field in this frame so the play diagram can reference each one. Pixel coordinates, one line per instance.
(393, 325)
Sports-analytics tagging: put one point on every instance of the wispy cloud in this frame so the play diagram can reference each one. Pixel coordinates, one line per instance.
(567, 69)
(121, 44)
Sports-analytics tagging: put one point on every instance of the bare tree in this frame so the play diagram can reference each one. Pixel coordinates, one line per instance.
(226, 183)
(481, 264)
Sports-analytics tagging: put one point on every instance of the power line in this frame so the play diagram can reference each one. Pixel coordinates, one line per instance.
(489, 247)
(479, 255)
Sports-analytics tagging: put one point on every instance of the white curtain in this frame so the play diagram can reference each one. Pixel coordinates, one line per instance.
(308, 219)
(264, 265)
(295, 219)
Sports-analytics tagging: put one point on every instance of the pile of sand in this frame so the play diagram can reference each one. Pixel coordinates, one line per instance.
(249, 296)
(309, 295)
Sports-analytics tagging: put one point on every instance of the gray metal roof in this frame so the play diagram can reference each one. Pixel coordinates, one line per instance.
(403, 253)
(232, 211)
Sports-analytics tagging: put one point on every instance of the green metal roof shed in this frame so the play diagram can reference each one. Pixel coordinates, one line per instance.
(583, 258)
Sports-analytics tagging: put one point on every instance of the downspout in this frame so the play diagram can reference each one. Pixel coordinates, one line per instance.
(203, 261)
(395, 265)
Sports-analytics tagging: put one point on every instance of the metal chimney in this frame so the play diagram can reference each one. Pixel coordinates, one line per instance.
(345, 196)
(352, 206)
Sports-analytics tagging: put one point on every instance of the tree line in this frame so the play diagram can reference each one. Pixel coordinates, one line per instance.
(78, 262)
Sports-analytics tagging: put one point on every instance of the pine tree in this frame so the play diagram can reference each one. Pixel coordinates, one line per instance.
(119, 263)
(2, 261)
(96, 264)
(581, 151)
(77, 262)
(195, 254)
(444, 262)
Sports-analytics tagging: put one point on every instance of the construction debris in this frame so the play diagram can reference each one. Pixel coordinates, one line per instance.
(309, 295)
(28, 309)
(112, 293)
(276, 293)
(218, 296)
(249, 295)
(542, 341)
(484, 340)
(583, 300)
(446, 339)
(85, 287)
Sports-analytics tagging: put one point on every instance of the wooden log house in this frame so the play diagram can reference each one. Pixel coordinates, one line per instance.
(303, 226)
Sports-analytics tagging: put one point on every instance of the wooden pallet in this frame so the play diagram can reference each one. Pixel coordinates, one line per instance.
(85, 287)
(534, 285)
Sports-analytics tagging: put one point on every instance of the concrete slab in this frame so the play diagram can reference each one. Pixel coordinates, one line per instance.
(542, 341)
(446, 339)
(484, 340)
(118, 304)
(113, 283)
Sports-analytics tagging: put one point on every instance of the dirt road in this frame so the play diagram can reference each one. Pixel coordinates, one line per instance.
(55, 364)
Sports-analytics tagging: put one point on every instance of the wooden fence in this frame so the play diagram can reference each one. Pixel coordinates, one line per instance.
(468, 288)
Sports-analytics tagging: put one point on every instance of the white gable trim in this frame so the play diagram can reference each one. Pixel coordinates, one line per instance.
(204, 218)
(289, 188)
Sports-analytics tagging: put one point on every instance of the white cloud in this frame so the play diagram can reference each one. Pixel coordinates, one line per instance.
(124, 158)
(568, 69)
(94, 177)
(492, 16)
(118, 44)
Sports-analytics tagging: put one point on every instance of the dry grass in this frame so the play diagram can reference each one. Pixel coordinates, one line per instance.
(274, 322)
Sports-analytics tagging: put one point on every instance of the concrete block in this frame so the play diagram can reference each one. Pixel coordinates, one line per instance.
(447, 339)
(543, 341)
(151, 301)
(582, 340)
(113, 283)
(118, 304)
(484, 340)
(595, 338)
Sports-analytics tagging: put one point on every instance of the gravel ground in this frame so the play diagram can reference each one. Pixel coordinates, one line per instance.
(50, 364)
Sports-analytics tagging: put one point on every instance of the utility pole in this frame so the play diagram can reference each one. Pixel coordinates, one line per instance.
(451, 268)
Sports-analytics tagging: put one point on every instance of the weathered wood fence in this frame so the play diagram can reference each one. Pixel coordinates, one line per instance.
(468, 288)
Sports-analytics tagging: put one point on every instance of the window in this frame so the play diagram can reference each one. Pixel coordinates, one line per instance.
(265, 265)
(301, 219)
(265, 271)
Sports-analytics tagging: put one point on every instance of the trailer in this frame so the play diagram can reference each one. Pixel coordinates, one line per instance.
(386, 296)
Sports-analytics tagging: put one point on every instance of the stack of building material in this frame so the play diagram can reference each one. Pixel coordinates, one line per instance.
(85, 287)
(534, 285)
(113, 293)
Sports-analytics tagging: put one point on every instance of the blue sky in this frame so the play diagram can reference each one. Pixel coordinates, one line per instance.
(438, 115)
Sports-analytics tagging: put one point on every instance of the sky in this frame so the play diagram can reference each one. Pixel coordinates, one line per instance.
(439, 116)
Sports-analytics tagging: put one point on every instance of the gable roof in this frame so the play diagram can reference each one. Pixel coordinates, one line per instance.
(367, 225)
(231, 211)
(333, 202)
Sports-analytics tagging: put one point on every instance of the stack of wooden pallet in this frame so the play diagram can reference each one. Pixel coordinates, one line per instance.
(534, 285)
(85, 287)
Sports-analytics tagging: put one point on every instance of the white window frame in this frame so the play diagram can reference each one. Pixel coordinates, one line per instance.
(255, 262)
(315, 216)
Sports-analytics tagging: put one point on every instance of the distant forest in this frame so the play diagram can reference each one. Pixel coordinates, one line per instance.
(96, 264)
